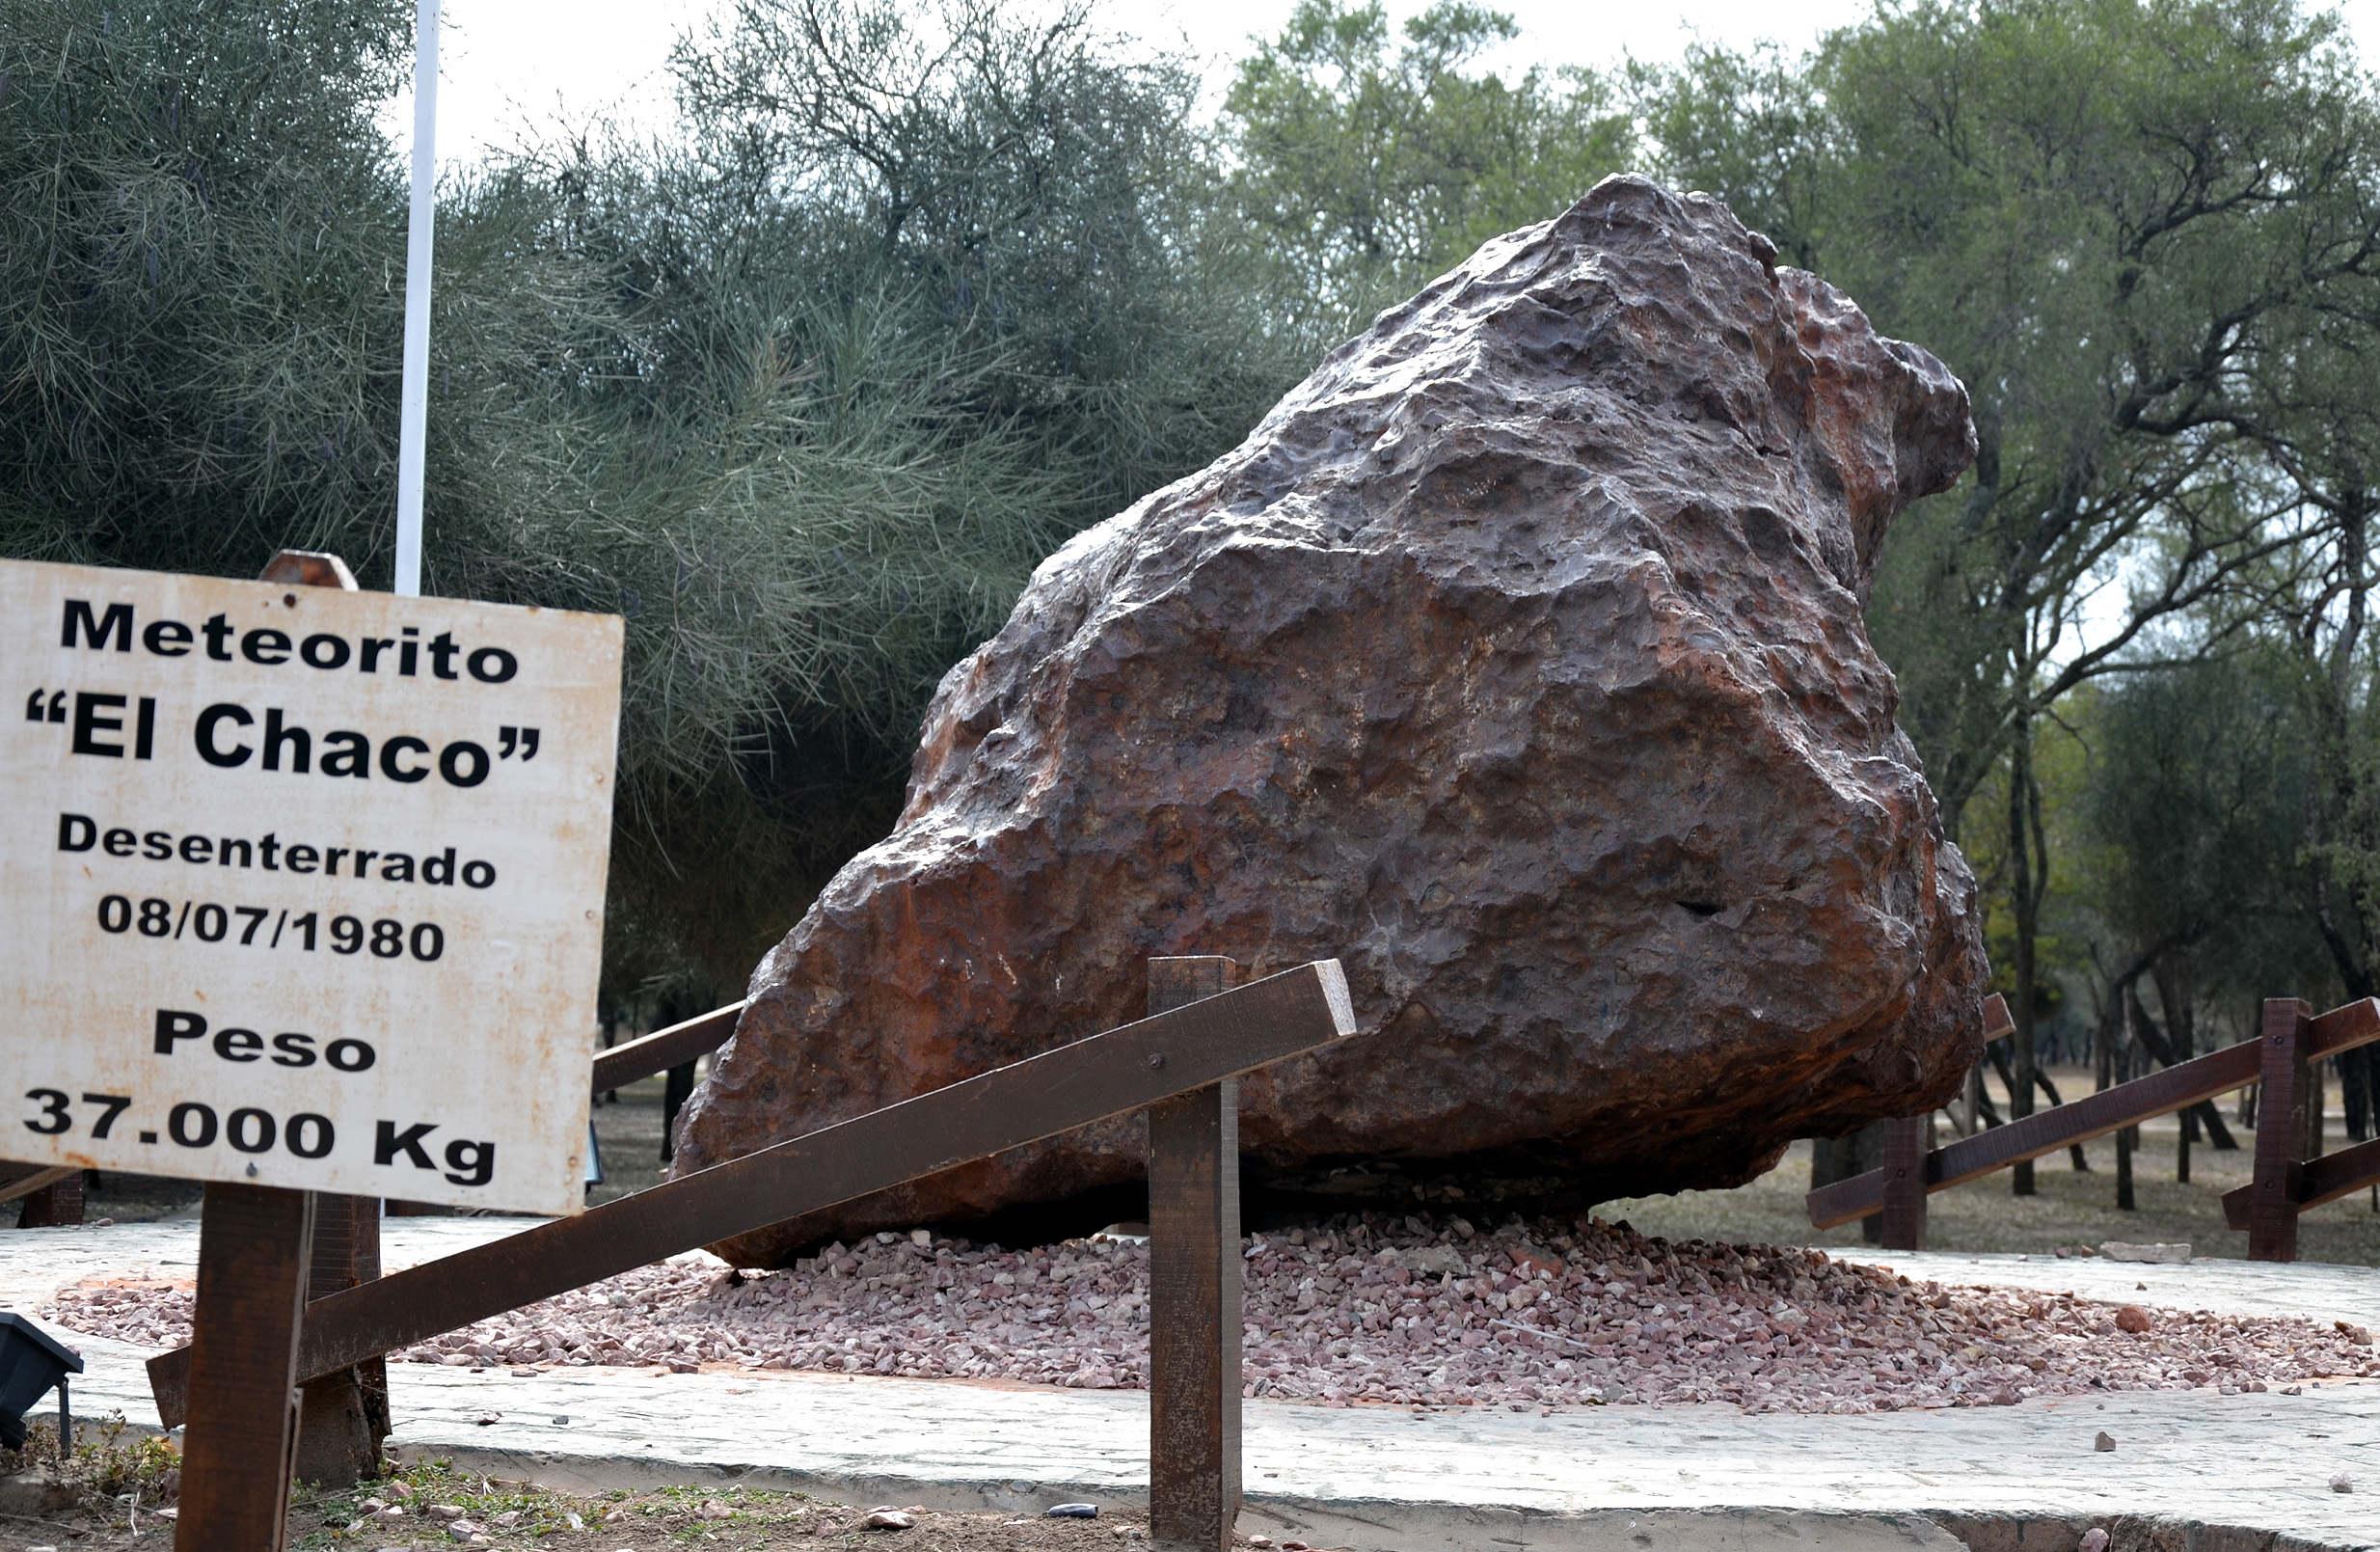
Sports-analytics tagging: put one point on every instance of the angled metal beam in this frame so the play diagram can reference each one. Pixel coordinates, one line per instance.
(1122, 1069)
(23, 1179)
(664, 1048)
(2323, 1180)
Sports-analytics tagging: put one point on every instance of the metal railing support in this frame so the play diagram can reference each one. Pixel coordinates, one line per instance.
(1194, 1291)
(2281, 1129)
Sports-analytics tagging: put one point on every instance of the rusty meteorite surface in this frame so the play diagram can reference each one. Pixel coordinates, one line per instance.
(1517, 661)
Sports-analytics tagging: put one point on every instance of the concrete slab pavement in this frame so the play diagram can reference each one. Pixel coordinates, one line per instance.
(2326, 1292)
(1629, 1478)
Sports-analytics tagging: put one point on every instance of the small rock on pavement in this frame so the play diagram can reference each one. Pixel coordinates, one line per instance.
(486, 1418)
(2340, 1483)
(2095, 1539)
(888, 1520)
(2133, 1319)
(2156, 1255)
(1072, 1511)
(2104, 1443)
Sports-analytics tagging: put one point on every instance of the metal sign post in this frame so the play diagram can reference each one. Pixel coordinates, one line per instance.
(255, 1245)
(414, 401)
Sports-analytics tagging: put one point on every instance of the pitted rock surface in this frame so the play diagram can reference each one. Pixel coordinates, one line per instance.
(1515, 659)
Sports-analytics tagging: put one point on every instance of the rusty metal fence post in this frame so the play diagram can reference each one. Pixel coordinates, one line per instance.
(345, 1413)
(2279, 1130)
(54, 1206)
(1194, 1290)
(256, 1250)
(1904, 1183)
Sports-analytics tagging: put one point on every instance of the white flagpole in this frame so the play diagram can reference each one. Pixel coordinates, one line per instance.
(414, 419)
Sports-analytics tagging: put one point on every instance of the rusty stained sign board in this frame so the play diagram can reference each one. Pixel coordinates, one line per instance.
(300, 887)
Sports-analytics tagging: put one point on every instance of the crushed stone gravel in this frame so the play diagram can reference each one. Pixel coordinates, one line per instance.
(1364, 1309)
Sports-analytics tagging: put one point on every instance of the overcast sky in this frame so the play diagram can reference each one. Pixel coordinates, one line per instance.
(512, 63)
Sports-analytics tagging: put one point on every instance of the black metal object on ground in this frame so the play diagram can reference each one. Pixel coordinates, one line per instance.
(31, 1363)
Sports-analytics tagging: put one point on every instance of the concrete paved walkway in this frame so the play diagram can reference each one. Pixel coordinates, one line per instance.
(2350, 1293)
(1386, 1478)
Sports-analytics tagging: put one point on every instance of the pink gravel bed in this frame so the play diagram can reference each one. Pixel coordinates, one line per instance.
(1534, 1314)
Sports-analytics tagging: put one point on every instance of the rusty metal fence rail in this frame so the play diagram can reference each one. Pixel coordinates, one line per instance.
(2292, 1038)
(1179, 1063)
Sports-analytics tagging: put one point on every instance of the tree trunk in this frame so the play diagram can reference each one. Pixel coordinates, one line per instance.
(2177, 1006)
(2127, 1138)
(678, 1082)
(2024, 912)
(2332, 778)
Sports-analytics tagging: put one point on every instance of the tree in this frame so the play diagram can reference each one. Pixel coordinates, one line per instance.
(804, 393)
(2311, 410)
(1364, 175)
(1025, 186)
(194, 200)
(2193, 811)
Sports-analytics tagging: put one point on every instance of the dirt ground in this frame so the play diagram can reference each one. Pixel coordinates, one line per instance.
(502, 1515)
(2068, 1209)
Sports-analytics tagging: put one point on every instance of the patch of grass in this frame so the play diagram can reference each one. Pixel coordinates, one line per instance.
(516, 1516)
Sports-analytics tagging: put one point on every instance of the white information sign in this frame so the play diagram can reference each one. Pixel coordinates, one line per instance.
(302, 887)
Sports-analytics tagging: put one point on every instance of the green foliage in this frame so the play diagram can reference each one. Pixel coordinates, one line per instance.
(1750, 127)
(804, 393)
(2194, 810)
(109, 1463)
(1363, 175)
(197, 223)
(1026, 187)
